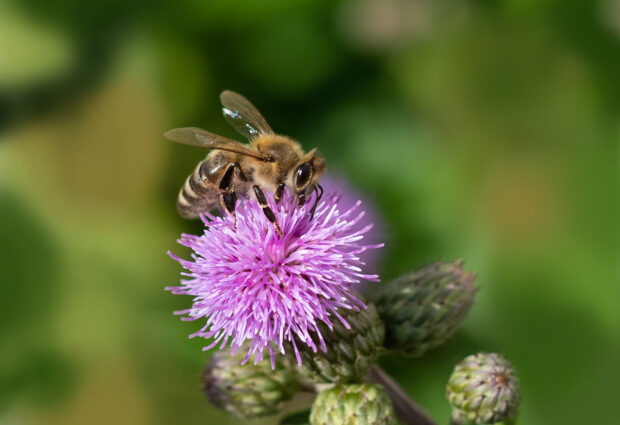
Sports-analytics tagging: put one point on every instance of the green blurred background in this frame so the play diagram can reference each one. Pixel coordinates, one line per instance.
(484, 130)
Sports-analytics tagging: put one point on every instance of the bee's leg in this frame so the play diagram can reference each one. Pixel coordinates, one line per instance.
(279, 192)
(319, 193)
(228, 196)
(228, 201)
(262, 201)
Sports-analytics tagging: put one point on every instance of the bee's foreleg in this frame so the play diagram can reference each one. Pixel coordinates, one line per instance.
(318, 189)
(228, 201)
(262, 201)
(279, 192)
(228, 196)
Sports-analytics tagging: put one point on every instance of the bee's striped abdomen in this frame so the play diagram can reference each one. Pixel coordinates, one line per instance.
(198, 194)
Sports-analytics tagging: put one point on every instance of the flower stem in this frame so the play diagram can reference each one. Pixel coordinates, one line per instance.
(407, 410)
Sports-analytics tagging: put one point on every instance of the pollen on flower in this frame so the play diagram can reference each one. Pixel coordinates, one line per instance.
(251, 284)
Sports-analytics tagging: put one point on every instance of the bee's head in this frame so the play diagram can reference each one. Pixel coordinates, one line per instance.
(306, 175)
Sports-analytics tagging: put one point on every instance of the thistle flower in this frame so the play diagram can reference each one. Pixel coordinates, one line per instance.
(250, 283)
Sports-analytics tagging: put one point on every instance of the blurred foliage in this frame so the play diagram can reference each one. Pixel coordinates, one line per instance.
(484, 130)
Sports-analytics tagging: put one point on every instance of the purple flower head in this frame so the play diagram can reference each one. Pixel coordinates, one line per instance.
(250, 283)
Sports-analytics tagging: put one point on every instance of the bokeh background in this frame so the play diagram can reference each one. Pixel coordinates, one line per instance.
(482, 130)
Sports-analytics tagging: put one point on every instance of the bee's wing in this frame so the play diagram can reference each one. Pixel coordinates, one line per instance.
(243, 116)
(195, 136)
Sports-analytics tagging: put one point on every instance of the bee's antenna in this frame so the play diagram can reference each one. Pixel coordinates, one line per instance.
(319, 194)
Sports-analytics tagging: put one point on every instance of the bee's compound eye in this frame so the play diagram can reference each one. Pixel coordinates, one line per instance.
(302, 175)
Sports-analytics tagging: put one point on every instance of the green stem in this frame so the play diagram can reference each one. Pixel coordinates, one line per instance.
(407, 410)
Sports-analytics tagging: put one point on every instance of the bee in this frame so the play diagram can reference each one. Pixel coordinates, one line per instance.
(268, 162)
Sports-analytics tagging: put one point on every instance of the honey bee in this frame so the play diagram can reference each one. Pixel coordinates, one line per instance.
(269, 161)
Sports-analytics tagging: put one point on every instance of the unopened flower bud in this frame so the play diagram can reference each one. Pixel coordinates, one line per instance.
(248, 390)
(352, 404)
(351, 351)
(483, 389)
(422, 309)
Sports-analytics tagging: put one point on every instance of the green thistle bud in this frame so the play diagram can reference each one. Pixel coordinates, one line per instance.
(352, 404)
(483, 389)
(248, 390)
(350, 352)
(422, 309)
